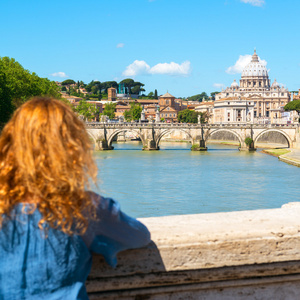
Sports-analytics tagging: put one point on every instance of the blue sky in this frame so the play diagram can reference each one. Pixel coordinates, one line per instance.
(184, 47)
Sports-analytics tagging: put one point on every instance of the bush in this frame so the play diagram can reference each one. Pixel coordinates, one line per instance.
(248, 141)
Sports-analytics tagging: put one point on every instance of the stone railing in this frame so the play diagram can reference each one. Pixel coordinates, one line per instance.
(236, 255)
(184, 125)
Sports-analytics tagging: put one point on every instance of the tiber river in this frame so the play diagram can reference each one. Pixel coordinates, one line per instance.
(175, 180)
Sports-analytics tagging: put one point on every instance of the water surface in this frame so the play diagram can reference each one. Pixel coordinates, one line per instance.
(175, 180)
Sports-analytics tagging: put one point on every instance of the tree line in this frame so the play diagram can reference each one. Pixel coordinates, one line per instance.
(98, 90)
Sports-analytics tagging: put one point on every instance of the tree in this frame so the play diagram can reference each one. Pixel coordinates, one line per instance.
(68, 82)
(150, 95)
(293, 105)
(155, 94)
(17, 85)
(198, 97)
(213, 95)
(87, 110)
(191, 116)
(109, 110)
(134, 113)
(137, 88)
(128, 83)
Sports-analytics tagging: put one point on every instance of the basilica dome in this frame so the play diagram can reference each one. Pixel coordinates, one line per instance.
(234, 84)
(275, 84)
(255, 68)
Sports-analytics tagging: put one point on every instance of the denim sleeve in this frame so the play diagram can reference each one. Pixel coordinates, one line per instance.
(114, 231)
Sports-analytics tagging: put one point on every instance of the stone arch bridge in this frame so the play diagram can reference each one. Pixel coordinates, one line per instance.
(151, 134)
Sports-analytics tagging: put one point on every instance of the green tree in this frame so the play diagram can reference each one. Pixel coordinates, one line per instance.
(150, 95)
(137, 88)
(87, 110)
(128, 83)
(213, 94)
(191, 116)
(155, 94)
(293, 105)
(134, 113)
(68, 82)
(198, 97)
(109, 110)
(17, 85)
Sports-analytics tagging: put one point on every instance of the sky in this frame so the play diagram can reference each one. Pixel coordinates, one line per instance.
(183, 47)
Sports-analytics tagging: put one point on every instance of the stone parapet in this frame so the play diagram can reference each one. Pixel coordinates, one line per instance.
(247, 254)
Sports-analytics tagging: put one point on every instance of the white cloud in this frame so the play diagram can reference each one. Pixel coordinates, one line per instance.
(254, 2)
(59, 74)
(219, 85)
(120, 45)
(172, 68)
(137, 67)
(241, 63)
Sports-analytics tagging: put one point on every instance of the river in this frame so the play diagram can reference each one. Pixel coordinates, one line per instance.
(175, 180)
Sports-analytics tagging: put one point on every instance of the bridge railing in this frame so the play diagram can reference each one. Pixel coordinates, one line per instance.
(138, 125)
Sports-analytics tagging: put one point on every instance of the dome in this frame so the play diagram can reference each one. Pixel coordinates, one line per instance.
(234, 84)
(255, 68)
(275, 84)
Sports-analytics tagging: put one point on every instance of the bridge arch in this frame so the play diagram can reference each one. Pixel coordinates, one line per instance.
(115, 133)
(92, 137)
(166, 131)
(287, 137)
(210, 133)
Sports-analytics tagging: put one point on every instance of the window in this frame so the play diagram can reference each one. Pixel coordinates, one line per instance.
(168, 108)
(228, 115)
(255, 114)
(170, 115)
(267, 113)
(228, 103)
(167, 101)
(228, 120)
(174, 115)
(239, 113)
(282, 94)
(259, 104)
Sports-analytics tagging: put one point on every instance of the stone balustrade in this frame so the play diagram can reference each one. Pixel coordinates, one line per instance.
(236, 255)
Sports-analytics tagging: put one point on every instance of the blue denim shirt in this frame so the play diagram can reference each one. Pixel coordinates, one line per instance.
(33, 266)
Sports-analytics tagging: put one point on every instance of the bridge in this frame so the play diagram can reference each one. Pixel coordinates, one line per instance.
(103, 133)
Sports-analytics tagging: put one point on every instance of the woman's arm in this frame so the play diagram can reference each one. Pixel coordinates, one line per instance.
(114, 231)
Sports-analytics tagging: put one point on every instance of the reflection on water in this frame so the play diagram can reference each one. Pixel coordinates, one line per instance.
(175, 180)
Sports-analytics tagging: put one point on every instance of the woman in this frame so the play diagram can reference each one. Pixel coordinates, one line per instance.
(50, 222)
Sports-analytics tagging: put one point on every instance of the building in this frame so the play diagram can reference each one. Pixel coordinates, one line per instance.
(255, 85)
(169, 108)
(206, 107)
(233, 110)
(111, 94)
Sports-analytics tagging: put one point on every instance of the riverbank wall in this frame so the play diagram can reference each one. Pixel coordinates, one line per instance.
(235, 255)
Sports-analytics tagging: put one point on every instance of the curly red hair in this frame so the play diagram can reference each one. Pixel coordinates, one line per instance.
(46, 160)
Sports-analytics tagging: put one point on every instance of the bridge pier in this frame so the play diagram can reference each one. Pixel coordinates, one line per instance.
(150, 146)
(103, 145)
(199, 147)
(245, 147)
